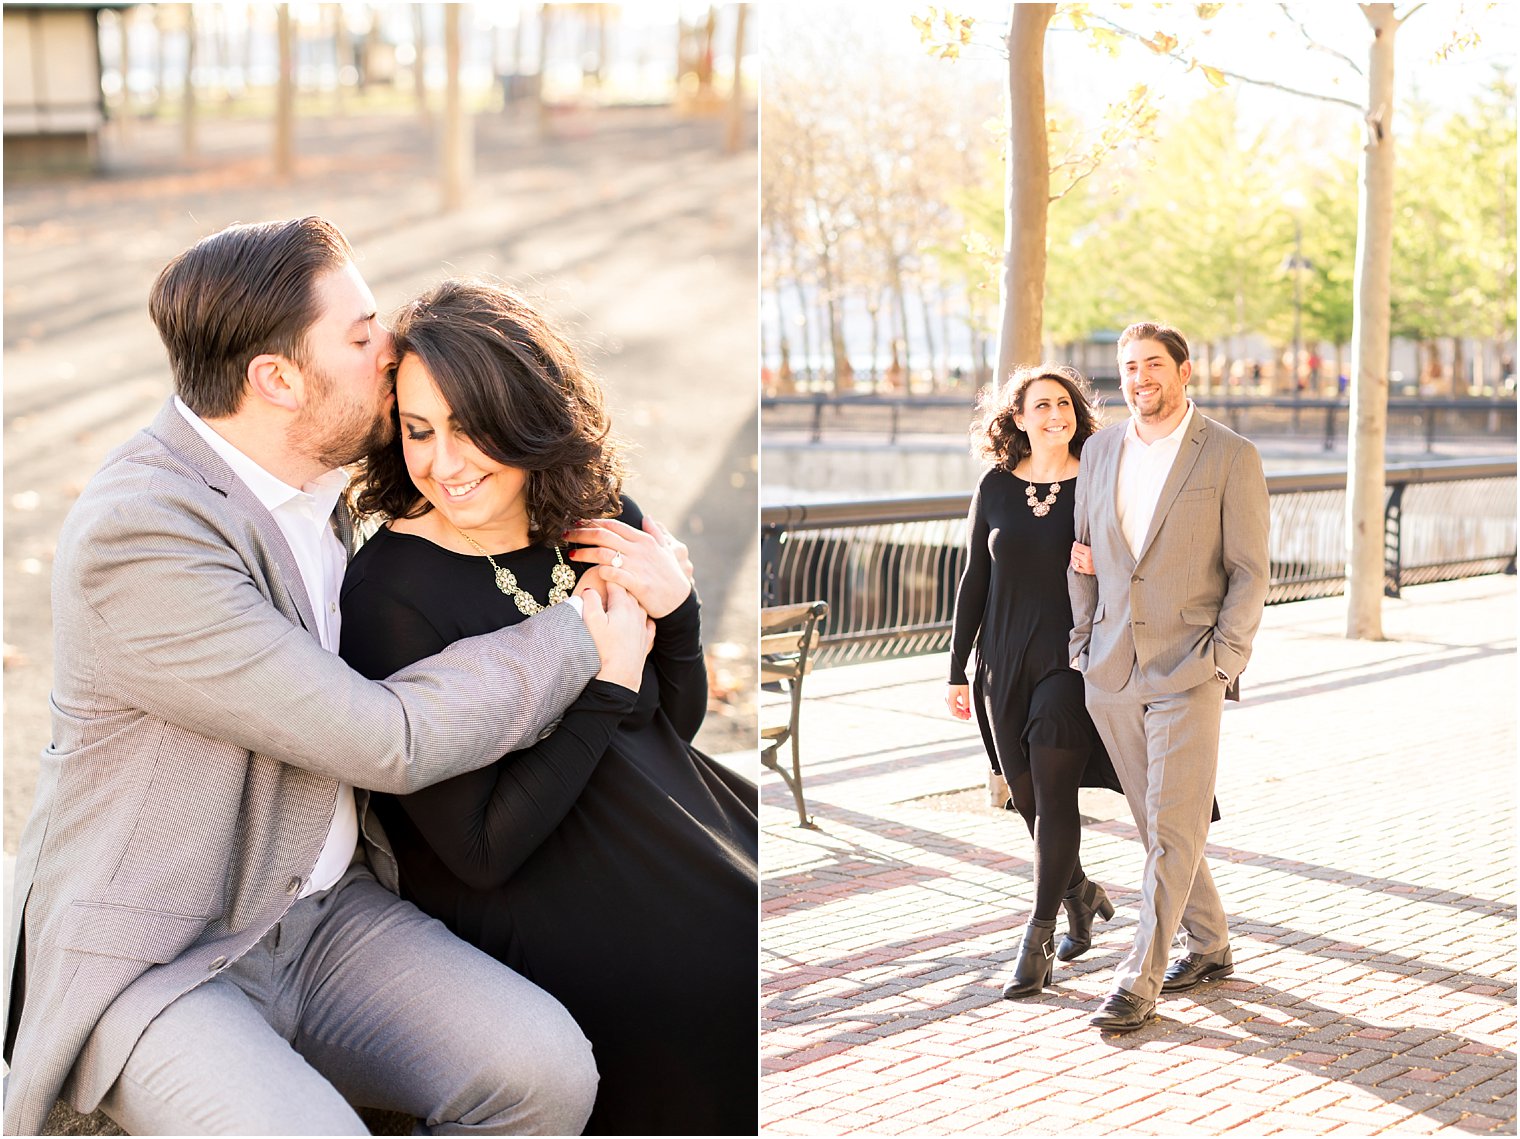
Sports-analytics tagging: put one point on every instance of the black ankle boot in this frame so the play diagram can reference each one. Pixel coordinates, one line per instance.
(1082, 902)
(1032, 969)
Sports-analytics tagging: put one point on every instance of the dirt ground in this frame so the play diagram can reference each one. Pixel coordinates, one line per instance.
(632, 225)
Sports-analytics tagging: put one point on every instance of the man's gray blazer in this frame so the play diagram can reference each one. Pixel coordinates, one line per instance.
(1191, 602)
(200, 732)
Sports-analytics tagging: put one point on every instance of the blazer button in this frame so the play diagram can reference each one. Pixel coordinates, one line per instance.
(219, 963)
(293, 885)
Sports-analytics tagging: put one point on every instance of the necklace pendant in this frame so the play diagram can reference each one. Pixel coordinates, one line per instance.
(1041, 509)
(506, 581)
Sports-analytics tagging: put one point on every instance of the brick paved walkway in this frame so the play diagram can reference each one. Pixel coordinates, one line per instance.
(1366, 856)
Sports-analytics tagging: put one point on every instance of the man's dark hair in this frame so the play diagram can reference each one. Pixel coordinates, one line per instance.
(514, 387)
(237, 294)
(1171, 339)
(996, 438)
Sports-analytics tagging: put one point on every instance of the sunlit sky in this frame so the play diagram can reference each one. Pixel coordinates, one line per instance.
(1256, 40)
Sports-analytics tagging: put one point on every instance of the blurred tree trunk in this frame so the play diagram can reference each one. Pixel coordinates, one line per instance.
(544, 16)
(1370, 322)
(1028, 191)
(419, 64)
(930, 349)
(734, 138)
(285, 97)
(124, 32)
(342, 55)
(902, 367)
(187, 93)
(456, 124)
(245, 60)
(159, 18)
(808, 355)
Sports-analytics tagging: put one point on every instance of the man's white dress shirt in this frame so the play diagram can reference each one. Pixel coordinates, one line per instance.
(304, 517)
(1143, 468)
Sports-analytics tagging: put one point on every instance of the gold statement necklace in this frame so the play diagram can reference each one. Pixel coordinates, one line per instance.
(1040, 506)
(562, 579)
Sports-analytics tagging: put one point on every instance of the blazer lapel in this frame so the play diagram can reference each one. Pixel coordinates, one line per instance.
(179, 437)
(1113, 532)
(343, 527)
(1182, 467)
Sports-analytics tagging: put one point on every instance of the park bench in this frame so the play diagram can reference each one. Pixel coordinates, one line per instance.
(788, 638)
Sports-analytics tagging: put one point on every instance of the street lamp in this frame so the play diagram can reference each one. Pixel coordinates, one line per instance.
(1294, 200)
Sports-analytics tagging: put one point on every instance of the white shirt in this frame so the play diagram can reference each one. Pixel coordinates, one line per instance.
(1143, 468)
(305, 519)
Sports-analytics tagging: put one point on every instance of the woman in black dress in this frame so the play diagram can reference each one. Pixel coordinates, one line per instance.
(611, 863)
(1014, 607)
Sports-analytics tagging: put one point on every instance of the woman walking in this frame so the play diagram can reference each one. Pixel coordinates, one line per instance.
(1013, 606)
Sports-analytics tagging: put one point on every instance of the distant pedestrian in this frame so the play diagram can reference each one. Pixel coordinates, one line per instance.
(1013, 606)
(1174, 509)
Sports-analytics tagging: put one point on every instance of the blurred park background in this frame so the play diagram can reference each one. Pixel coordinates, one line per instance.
(1322, 197)
(602, 157)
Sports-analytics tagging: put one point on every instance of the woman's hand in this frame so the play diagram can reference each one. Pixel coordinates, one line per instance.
(1081, 558)
(677, 547)
(958, 700)
(621, 628)
(648, 563)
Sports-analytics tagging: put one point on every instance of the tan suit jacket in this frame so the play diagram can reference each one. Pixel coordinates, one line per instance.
(1191, 602)
(200, 733)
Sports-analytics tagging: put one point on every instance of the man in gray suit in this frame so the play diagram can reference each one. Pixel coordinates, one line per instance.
(205, 936)
(1174, 508)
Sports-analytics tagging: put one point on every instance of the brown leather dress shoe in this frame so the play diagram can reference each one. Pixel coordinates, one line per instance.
(1123, 1011)
(1194, 968)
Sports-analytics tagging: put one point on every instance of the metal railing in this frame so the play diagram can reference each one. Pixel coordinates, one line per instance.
(889, 569)
(950, 415)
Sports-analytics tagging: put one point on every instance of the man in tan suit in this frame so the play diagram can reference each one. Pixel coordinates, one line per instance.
(205, 937)
(1174, 508)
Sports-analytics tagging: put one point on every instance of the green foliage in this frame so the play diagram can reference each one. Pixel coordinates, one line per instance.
(1209, 227)
(1454, 219)
(1329, 225)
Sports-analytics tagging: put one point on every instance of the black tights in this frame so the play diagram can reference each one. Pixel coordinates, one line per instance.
(1045, 793)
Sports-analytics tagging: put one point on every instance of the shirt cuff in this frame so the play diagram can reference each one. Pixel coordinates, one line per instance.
(576, 603)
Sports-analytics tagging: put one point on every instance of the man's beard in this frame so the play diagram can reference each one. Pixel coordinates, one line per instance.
(335, 433)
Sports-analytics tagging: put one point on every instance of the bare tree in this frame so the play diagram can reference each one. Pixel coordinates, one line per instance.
(733, 138)
(456, 149)
(1026, 208)
(285, 97)
(187, 93)
(1365, 486)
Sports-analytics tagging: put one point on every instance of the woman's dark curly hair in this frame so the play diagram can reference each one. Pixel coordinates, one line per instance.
(514, 387)
(994, 436)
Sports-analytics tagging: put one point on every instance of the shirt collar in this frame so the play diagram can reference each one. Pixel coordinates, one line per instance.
(321, 493)
(1175, 435)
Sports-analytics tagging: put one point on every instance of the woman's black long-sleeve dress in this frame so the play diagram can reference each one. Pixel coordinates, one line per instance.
(1013, 605)
(611, 863)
